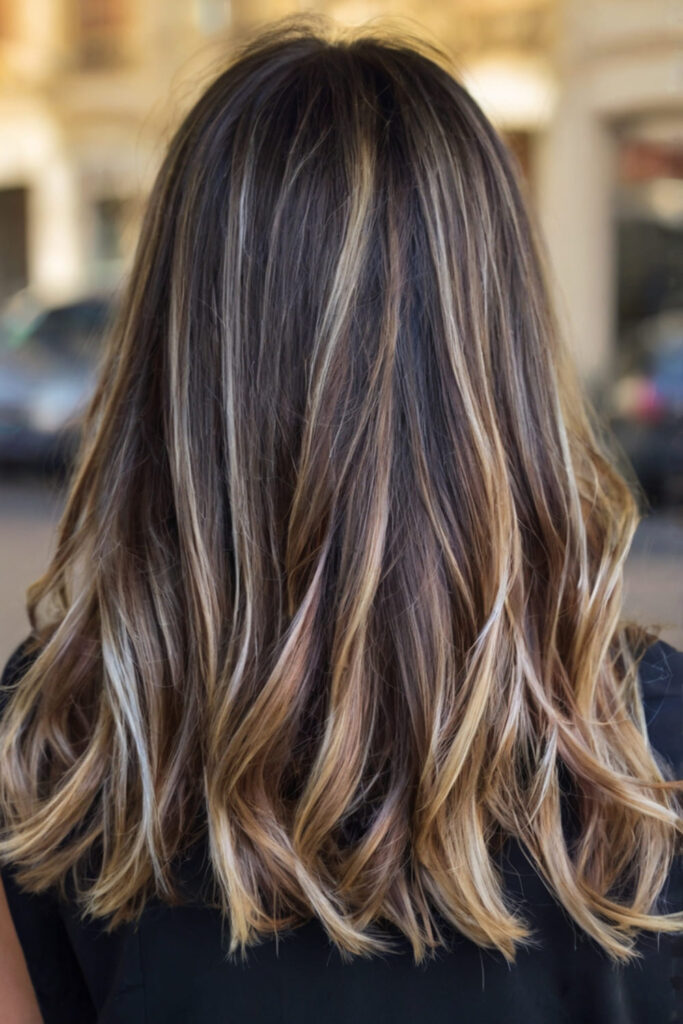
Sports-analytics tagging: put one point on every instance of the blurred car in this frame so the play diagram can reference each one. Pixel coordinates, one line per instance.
(647, 406)
(48, 363)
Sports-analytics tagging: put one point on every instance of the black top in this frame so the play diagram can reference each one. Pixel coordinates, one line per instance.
(171, 968)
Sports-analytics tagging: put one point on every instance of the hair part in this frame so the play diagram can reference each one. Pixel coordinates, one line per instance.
(338, 582)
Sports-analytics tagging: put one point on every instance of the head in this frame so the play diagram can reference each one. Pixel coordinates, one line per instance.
(338, 580)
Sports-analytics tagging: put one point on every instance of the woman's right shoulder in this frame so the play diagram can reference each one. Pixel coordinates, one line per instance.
(18, 661)
(15, 665)
(661, 679)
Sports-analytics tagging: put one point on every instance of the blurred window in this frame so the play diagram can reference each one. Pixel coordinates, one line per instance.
(212, 15)
(649, 234)
(101, 29)
(7, 23)
(519, 143)
(13, 257)
(110, 217)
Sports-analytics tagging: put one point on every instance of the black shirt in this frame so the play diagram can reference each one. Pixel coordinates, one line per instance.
(173, 968)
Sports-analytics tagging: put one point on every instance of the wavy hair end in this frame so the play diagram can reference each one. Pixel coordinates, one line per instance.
(338, 582)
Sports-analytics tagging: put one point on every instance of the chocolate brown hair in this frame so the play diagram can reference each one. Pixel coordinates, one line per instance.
(339, 573)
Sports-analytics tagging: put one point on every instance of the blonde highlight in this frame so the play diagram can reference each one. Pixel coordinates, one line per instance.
(350, 547)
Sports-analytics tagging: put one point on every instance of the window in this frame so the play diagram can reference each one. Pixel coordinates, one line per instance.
(13, 255)
(7, 26)
(101, 30)
(110, 218)
(212, 15)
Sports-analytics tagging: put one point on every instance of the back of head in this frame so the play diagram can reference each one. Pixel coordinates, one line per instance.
(339, 573)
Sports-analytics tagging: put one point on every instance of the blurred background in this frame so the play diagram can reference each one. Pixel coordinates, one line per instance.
(587, 93)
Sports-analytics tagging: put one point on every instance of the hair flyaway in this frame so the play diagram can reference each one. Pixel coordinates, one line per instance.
(338, 580)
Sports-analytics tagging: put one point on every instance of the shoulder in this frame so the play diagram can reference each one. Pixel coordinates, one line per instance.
(16, 664)
(660, 675)
(18, 661)
(662, 669)
(661, 679)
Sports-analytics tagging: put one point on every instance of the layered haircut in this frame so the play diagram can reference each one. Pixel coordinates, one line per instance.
(338, 582)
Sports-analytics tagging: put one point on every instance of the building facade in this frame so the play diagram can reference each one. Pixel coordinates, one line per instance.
(91, 90)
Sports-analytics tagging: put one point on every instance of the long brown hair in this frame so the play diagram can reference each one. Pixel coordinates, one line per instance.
(339, 574)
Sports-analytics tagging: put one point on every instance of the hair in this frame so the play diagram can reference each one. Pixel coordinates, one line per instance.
(338, 581)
